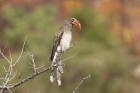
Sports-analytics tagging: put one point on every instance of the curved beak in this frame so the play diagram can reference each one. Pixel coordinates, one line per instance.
(77, 24)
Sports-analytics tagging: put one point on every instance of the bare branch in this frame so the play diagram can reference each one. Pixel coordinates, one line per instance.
(23, 81)
(33, 65)
(19, 76)
(81, 83)
(8, 77)
(40, 67)
(8, 72)
(10, 56)
(5, 57)
(74, 43)
(5, 69)
(12, 77)
(9, 90)
(75, 53)
(37, 70)
(4, 48)
(1, 52)
(28, 78)
(21, 52)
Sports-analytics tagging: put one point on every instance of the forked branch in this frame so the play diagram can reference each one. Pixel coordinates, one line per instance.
(37, 70)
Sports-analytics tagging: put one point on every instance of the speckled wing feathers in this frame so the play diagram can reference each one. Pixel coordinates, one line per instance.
(56, 42)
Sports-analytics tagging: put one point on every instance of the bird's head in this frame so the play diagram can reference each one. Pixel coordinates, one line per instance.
(72, 21)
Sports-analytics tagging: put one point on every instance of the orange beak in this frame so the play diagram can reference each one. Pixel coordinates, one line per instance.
(77, 24)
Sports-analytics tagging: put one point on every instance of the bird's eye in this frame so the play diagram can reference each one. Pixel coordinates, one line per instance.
(72, 20)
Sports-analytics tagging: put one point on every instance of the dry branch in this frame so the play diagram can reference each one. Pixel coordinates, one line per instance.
(28, 78)
(81, 83)
(9, 71)
(75, 53)
(37, 70)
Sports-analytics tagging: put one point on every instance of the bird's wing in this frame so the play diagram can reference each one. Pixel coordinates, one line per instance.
(56, 42)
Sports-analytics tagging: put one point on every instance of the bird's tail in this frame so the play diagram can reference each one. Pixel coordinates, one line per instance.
(56, 63)
(58, 73)
(58, 77)
(52, 77)
(59, 70)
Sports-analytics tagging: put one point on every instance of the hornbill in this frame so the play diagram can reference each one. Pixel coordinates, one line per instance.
(61, 43)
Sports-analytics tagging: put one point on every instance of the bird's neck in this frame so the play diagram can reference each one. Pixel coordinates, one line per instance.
(68, 27)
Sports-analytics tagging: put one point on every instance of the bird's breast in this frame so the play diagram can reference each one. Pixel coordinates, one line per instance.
(65, 41)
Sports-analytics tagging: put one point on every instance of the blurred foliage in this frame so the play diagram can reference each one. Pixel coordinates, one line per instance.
(93, 27)
(23, 23)
(109, 64)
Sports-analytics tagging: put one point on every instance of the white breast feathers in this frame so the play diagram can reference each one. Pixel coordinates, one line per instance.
(66, 40)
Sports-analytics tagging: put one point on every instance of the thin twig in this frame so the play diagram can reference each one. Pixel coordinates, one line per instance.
(21, 52)
(75, 53)
(28, 78)
(34, 65)
(9, 90)
(5, 69)
(5, 57)
(33, 62)
(10, 56)
(9, 71)
(12, 77)
(74, 43)
(4, 48)
(40, 67)
(8, 74)
(81, 83)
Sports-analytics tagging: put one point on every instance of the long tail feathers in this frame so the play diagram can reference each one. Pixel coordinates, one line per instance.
(58, 77)
(56, 63)
(52, 76)
(58, 70)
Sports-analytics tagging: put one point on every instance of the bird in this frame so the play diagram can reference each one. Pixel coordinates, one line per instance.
(61, 43)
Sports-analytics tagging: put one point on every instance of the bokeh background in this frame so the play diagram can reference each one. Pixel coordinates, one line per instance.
(111, 56)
